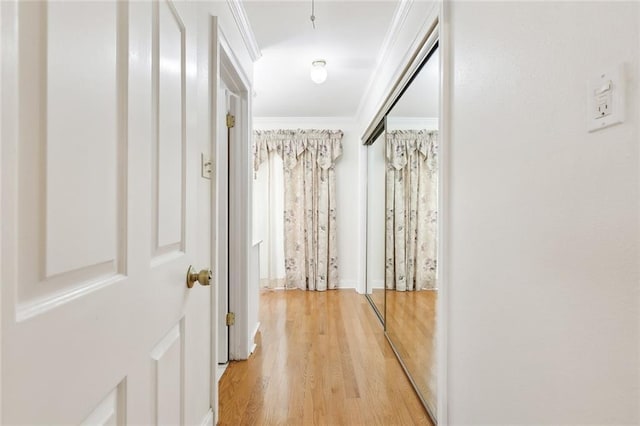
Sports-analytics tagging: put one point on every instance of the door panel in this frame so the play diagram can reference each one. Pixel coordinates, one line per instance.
(110, 411)
(82, 82)
(169, 371)
(169, 65)
(99, 162)
(70, 168)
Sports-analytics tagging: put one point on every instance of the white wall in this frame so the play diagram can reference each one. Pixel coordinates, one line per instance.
(346, 185)
(544, 245)
(376, 210)
(412, 123)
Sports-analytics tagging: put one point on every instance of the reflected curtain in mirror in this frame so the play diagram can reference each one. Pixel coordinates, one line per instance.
(268, 226)
(310, 247)
(411, 210)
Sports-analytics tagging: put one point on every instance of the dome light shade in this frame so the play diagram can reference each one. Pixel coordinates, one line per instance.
(319, 71)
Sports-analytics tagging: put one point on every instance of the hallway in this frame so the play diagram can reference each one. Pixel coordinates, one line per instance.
(321, 359)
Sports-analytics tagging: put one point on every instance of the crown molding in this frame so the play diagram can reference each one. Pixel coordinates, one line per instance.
(246, 32)
(397, 21)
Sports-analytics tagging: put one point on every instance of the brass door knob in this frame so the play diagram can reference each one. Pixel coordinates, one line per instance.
(203, 277)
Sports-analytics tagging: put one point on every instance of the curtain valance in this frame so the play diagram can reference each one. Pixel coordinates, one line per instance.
(402, 143)
(324, 145)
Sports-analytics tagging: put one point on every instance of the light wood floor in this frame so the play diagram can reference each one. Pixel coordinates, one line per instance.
(321, 359)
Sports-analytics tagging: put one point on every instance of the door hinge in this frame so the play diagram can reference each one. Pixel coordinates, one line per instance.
(231, 318)
(231, 121)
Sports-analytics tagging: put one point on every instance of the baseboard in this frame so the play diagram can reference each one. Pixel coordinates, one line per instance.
(252, 340)
(344, 284)
(377, 284)
(348, 284)
(221, 369)
(208, 418)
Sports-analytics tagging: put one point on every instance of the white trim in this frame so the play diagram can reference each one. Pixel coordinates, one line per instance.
(220, 369)
(8, 104)
(259, 122)
(244, 27)
(344, 284)
(399, 17)
(212, 56)
(208, 418)
(377, 284)
(348, 287)
(252, 338)
(397, 22)
(232, 74)
(235, 62)
(442, 302)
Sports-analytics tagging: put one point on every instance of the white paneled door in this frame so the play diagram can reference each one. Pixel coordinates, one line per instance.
(103, 210)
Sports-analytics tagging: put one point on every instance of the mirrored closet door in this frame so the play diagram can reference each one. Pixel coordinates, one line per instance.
(412, 225)
(402, 229)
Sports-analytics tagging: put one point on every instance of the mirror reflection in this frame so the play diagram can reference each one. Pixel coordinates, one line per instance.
(411, 225)
(375, 223)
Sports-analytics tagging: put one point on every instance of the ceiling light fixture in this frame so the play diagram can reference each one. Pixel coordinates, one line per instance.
(319, 71)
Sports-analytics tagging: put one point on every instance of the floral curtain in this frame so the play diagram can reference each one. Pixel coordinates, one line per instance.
(310, 247)
(411, 210)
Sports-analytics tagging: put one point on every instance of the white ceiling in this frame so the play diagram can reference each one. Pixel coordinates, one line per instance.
(348, 35)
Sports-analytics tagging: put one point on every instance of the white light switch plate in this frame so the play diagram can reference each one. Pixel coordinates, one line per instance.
(606, 99)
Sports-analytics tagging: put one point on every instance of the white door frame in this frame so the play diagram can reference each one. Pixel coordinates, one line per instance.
(225, 66)
(240, 199)
(7, 73)
(444, 227)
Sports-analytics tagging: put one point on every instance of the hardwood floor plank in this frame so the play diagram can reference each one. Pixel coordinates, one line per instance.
(322, 359)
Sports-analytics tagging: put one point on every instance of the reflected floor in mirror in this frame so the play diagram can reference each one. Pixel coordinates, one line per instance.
(411, 325)
(377, 297)
(321, 358)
